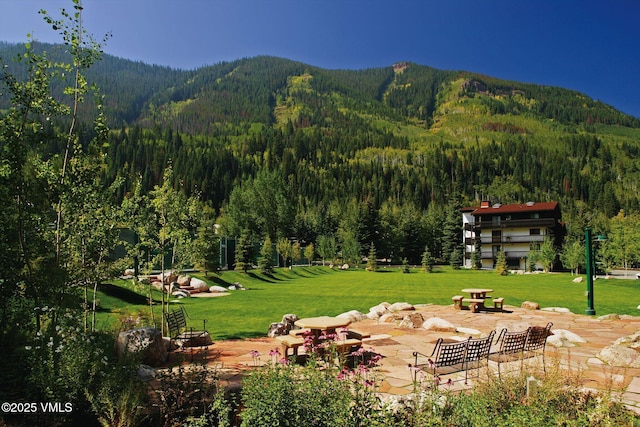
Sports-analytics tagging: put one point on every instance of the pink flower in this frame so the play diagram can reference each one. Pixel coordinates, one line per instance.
(255, 354)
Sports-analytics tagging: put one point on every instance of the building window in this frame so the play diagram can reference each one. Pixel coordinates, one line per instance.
(534, 232)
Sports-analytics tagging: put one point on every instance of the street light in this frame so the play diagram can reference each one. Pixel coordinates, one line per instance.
(589, 267)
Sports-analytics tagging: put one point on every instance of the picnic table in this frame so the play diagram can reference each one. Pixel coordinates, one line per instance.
(476, 298)
(322, 325)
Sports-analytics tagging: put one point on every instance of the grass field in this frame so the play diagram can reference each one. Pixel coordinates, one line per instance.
(316, 291)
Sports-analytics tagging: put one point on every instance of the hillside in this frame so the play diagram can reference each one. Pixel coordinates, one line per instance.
(406, 134)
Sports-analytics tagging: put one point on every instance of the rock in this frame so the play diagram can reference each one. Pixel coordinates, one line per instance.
(400, 306)
(145, 341)
(181, 294)
(469, 331)
(276, 330)
(344, 267)
(556, 309)
(438, 324)
(217, 289)
(376, 311)
(530, 305)
(289, 321)
(146, 373)
(129, 272)
(353, 316)
(624, 352)
(168, 277)
(199, 285)
(577, 279)
(413, 321)
(388, 318)
(609, 317)
(183, 280)
(564, 338)
(157, 285)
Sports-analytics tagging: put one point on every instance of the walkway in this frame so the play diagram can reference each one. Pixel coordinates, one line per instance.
(397, 345)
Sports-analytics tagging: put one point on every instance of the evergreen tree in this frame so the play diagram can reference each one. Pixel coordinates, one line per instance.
(501, 264)
(243, 256)
(266, 254)
(207, 243)
(428, 261)
(372, 262)
(405, 265)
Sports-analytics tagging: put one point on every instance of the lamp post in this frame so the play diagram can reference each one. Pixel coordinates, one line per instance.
(589, 267)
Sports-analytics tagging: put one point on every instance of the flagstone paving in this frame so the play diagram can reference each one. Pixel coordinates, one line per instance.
(397, 345)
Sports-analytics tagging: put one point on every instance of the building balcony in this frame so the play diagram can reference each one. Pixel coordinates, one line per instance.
(515, 223)
(486, 240)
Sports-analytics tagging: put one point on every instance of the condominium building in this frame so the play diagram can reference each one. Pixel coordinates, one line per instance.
(514, 229)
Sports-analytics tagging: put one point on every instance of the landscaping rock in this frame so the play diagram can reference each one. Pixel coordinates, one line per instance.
(564, 338)
(469, 331)
(146, 373)
(400, 306)
(344, 267)
(556, 309)
(276, 330)
(413, 321)
(289, 321)
(438, 324)
(624, 352)
(168, 277)
(376, 311)
(612, 316)
(199, 285)
(353, 316)
(578, 279)
(388, 318)
(183, 280)
(530, 305)
(217, 289)
(181, 294)
(145, 341)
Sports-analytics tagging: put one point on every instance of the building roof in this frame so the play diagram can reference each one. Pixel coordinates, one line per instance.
(487, 209)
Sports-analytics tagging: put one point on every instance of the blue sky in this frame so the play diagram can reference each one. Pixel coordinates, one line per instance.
(587, 45)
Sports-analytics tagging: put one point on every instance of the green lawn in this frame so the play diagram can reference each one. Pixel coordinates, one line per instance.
(321, 291)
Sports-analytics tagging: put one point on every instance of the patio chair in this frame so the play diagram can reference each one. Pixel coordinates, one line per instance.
(537, 341)
(446, 359)
(182, 336)
(511, 348)
(477, 353)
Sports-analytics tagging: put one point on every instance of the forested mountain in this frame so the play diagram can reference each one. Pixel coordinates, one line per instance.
(383, 143)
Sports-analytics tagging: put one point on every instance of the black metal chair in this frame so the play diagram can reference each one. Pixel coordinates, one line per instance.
(446, 359)
(537, 341)
(477, 353)
(511, 348)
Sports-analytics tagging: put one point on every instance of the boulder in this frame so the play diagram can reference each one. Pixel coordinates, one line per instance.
(183, 280)
(353, 316)
(578, 279)
(376, 311)
(400, 306)
(146, 373)
(612, 316)
(388, 318)
(180, 294)
(199, 285)
(530, 305)
(344, 267)
(289, 321)
(412, 321)
(129, 272)
(217, 289)
(144, 342)
(564, 338)
(624, 352)
(438, 324)
(276, 330)
(168, 277)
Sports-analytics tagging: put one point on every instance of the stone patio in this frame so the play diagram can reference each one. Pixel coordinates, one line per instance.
(397, 345)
